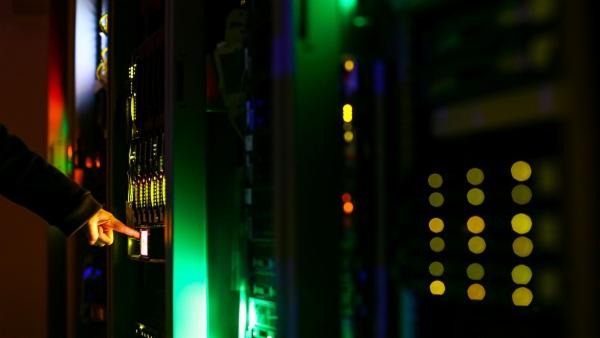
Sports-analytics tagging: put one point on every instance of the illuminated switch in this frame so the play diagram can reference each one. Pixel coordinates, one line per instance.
(144, 242)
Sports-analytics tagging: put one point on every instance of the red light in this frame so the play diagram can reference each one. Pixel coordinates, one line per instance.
(346, 197)
(78, 175)
(88, 162)
(348, 207)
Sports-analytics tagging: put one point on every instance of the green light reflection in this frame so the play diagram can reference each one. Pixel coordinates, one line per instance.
(348, 5)
(243, 311)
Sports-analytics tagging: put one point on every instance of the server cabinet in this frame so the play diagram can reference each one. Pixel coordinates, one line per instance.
(158, 286)
(198, 270)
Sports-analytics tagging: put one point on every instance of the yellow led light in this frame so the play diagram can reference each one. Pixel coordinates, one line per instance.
(477, 245)
(163, 188)
(436, 199)
(132, 107)
(437, 288)
(131, 72)
(520, 171)
(437, 244)
(522, 296)
(103, 23)
(347, 113)
(435, 180)
(521, 194)
(475, 196)
(475, 176)
(152, 187)
(436, 269)
(475, 224)
(476, 292)
(522, 246)
(436, 225)
(347, 117)
(475, 271)
(349, 65)
(521, 223)
(521, 274)
(348, 136)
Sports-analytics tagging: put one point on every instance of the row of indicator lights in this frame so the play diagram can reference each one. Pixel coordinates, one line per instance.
(521, 274)
(436, 244)
(521, 224)
(347, 110)
(347, 117)
(521, 193)
(475, 226)
(475, 196)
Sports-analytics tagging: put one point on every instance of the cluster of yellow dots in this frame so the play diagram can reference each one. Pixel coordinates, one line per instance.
(347, 116)
(475, 226)
(347, 109)
(521, 224)
(436, 244)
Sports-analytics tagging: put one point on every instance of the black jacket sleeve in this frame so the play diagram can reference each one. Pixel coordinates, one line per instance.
(28, 180)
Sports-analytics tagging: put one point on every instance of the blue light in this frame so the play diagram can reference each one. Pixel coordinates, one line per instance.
(87, 272)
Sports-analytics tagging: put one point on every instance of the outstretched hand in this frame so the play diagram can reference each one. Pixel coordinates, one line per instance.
(101, 226)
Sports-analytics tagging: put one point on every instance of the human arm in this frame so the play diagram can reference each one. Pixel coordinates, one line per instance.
(27, 179)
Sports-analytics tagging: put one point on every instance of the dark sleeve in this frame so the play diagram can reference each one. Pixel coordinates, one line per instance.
(27, 179)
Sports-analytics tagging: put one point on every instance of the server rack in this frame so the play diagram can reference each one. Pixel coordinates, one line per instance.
(203, 272)
(497, 101)
(324, 244)
(156, 179)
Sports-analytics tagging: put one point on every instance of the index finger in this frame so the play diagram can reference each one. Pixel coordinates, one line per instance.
(118, 226)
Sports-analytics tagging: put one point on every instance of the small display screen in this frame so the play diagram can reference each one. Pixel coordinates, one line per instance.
(144, 242)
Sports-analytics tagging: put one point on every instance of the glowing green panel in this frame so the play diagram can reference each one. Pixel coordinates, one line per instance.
(190, 282)
(252, 320)
(242, 312)
(190, 267)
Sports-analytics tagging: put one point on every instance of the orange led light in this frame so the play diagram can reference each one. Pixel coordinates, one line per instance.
(348, 207)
